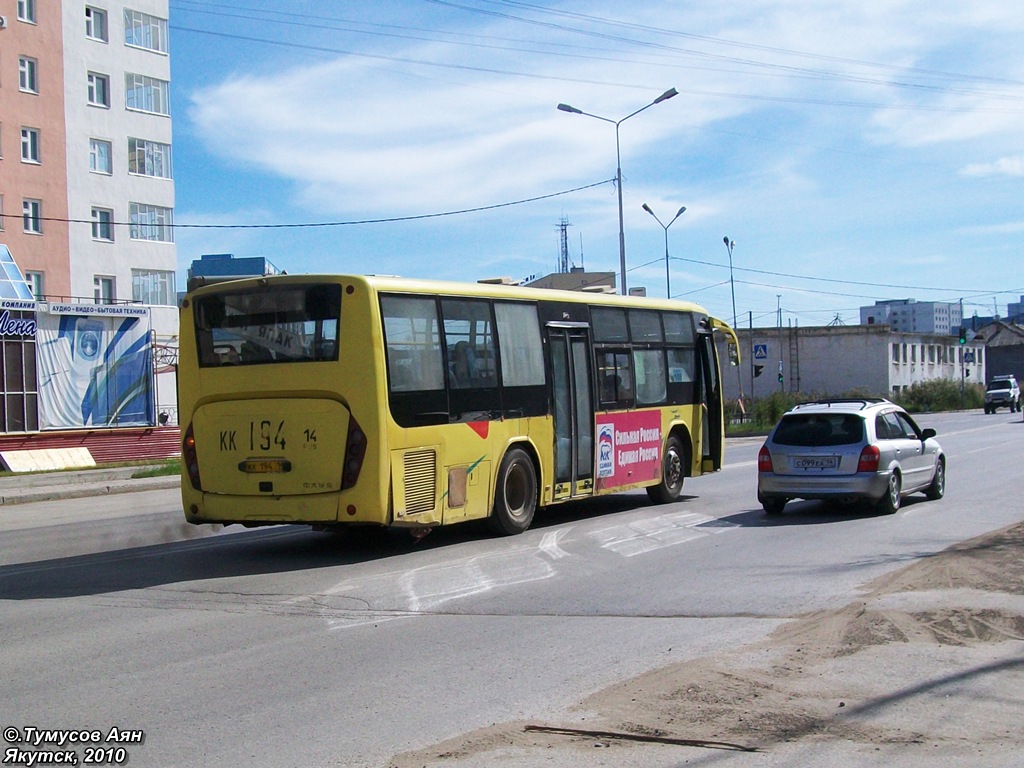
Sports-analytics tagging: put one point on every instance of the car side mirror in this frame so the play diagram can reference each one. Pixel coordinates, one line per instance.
(926, 433)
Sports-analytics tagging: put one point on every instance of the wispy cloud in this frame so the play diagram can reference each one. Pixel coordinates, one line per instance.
(823, 137)
(1004, 166)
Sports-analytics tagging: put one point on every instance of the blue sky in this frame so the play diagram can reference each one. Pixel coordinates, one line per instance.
(853, 151)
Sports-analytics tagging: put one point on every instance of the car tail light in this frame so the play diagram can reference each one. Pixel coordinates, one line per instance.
(190, 459)
(869, 459)
(764, 460)
(355, 452)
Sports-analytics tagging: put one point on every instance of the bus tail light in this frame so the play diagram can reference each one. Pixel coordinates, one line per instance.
(869, 459)
(355, 452)
(764, 460)
(190, 459)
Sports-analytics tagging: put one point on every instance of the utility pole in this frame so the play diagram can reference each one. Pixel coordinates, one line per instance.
(782, 380)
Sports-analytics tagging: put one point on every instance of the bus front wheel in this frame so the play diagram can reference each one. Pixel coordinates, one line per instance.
(515, 494)
(672, 473)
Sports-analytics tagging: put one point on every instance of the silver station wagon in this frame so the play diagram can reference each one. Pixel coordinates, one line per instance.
(849, 450)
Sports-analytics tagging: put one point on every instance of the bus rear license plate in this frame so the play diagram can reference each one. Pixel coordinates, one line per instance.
(265, 466)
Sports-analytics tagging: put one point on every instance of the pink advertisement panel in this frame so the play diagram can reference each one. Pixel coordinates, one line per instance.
(628, 448)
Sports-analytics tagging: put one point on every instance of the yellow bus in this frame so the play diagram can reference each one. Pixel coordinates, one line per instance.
(350, 400)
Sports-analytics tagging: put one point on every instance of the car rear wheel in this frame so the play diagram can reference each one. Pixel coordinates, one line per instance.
(937, 489)
(773, 506)
(889, 504)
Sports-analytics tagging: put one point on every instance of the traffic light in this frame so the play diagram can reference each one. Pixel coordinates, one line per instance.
(963, 335)
(757, 370)
(780, 371)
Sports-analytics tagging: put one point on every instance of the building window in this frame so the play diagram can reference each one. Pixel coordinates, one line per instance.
(35, 284)
(147, 94)
(149, 158)
(19, 396)
(103, 224)
(95, 24)
(30, 145)
(27, 11)
(100, 160)
(99, 90)
(144, 31)
(154, 287)
(150, 222)
(32, 216)
(103, 289)
(28, 74)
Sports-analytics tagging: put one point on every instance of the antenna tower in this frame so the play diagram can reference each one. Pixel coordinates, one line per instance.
(563, 260)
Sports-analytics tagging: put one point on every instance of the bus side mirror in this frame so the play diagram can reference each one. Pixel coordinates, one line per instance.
(734, 354)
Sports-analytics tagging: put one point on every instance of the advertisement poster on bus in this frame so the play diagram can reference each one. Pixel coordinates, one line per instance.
(628, 448)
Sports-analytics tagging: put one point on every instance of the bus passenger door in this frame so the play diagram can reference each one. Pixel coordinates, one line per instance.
(572, 399)
(711, 404)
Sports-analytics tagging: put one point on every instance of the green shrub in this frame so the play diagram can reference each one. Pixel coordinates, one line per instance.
(941, 395)
(766, 411)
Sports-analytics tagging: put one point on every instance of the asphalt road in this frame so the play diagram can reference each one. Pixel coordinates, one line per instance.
(283, 647)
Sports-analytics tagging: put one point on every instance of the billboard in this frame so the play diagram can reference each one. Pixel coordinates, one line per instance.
(95, 369)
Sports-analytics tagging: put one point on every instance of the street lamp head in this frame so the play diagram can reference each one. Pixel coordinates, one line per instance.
(567, 108)
(682, 210)
(726, 241)
(666, 95)
(648, 209)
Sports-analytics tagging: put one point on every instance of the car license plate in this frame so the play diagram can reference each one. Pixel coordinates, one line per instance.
(265, 466)
(816, 462)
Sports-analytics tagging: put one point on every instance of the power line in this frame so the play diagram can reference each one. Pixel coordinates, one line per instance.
(875, 284)
(314, 225)
(784, 70)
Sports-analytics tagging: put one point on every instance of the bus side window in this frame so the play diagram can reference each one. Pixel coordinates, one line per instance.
(616, 379)
(463, 365)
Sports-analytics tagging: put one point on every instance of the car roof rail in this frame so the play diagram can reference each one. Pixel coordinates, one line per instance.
(863, 401)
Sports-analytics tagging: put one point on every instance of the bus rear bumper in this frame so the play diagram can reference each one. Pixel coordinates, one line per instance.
(308, 509)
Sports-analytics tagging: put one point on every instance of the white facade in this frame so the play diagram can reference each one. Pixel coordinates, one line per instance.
(111, 247)
(912, 316)
(837, 360)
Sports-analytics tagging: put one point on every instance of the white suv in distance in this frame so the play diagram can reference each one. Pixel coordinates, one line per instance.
(1002, 390)
(848, 450)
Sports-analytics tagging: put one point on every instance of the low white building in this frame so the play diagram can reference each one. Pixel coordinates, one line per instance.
(835, 360)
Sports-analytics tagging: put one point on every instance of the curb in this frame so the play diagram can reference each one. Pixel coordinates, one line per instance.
(78, 490)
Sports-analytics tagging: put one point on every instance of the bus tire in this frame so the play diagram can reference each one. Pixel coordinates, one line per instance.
(515, 494)
(672, 473)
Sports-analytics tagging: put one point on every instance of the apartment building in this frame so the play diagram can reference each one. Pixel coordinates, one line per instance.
(87, 204)
(912, 316)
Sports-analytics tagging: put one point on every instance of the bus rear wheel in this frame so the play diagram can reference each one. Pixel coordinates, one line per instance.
(672, 473)
(515, 494)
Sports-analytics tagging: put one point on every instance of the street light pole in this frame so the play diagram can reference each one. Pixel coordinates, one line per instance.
(618, 168)
(729, 245)
(680, 212)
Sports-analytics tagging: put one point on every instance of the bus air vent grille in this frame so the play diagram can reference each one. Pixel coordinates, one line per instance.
(420, 481)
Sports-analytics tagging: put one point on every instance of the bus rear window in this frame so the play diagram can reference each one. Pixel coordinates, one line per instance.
(285, 324)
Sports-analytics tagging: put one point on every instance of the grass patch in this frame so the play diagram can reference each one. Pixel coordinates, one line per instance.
(163, 469)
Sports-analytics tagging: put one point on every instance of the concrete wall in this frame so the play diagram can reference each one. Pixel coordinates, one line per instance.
(834, 360)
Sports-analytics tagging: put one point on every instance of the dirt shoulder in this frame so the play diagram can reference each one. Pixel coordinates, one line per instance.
(931, 659)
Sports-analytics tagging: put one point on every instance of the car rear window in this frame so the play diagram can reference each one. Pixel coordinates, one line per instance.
(810, 429)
